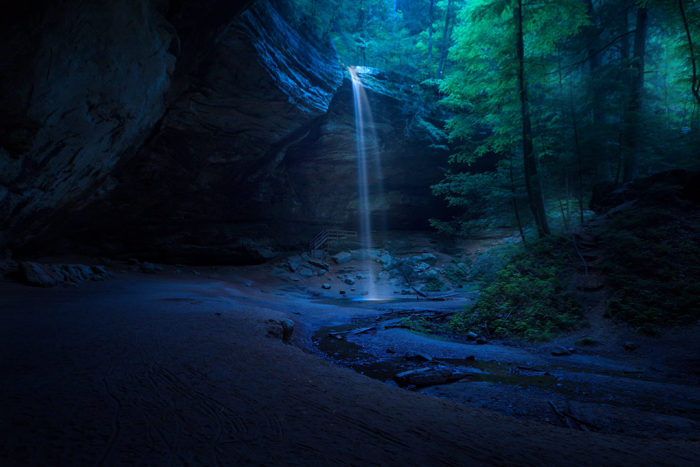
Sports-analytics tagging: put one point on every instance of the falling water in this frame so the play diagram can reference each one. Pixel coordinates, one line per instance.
(367, 149)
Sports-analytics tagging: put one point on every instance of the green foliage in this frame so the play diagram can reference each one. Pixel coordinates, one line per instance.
(529, 298)
(434, 284)
(653, 263)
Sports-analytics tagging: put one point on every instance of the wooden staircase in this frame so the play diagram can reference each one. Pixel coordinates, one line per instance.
(330, 235)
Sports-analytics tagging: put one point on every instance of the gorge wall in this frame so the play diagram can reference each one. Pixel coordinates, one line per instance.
(217, 135)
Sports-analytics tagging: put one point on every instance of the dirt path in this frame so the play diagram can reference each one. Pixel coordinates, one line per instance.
(172, 371)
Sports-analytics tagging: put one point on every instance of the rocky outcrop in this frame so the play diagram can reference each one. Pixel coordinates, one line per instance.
(195, 135)
(322, 168)
(81, 85)
(50, 275)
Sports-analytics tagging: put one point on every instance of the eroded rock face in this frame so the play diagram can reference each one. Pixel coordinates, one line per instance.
(211, 143)
(83, 84)
(75, 98)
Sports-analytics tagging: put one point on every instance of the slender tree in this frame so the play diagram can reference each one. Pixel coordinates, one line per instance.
(532, 180)
(445, 39)
(631, 130)
(695, 83)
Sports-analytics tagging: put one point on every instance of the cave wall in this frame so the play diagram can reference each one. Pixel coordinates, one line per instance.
(82, 85)
(194, 132)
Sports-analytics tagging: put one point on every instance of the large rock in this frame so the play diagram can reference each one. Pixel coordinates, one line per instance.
(50, 275)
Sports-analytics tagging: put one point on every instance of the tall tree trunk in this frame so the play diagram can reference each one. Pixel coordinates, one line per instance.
(632, 120)
(532, 180)
(514, 200)
(430, 38)
(598, 147)
(695, 85)
(445, 39)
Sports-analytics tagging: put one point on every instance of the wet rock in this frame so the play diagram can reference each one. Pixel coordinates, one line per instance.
(319, 264)
(306, 272)
(326, 286)
(428, 258)
(294, 263)
(421, 267)
(430, 376)
(349, 281)
(406, 291)
(361, 276)
(50, 275)
(342, 257)
(481, 340)
(150, 268)
(385, 260)
(472, 335)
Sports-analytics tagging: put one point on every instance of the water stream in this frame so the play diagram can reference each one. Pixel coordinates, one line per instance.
(367, 154)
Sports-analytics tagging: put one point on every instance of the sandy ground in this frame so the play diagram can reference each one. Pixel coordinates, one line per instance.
(168, 370)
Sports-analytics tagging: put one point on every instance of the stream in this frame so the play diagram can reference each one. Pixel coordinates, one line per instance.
(582, 391)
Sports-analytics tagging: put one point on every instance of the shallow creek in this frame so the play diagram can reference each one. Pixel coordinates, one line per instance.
(583, 392)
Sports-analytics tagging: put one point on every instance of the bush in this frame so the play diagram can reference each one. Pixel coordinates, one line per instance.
(652, 260)
(529, 298)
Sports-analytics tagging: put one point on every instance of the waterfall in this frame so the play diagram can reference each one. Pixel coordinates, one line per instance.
(367, 153)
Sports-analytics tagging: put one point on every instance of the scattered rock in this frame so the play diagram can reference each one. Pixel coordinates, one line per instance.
(341, 292)
(429, 258)
(421, 267)
(150, 268)
(318, 264)
(349, 281)
(342, 257)
(326, 286)
(50, 275)
(294, 263)
(361, 276)
(321, 272)
(306, 272)
(560, 351)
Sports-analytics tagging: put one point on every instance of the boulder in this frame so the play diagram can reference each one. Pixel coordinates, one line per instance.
(306, 272)
(342, 257)
(294, 263)
(50, 275)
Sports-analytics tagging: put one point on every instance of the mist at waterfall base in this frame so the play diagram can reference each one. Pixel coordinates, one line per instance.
(369, 175)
